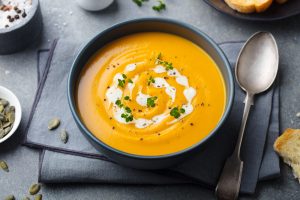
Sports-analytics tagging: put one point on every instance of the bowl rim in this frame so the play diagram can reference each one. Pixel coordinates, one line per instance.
(18, 110)
(72, 79)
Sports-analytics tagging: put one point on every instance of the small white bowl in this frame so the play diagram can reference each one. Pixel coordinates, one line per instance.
(94, 5)
(13, 101)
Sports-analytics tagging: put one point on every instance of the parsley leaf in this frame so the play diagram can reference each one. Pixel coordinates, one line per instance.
(151, 80)
(130, 81)
(167, 65)
(175, 112)
(151, 101)
(139, 2)
(127, 116)
(119, 103)
(121, 83)
(127, 109)
(161, 6)
(127, 98)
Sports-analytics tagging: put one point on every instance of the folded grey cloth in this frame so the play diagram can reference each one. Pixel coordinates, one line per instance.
(78, 161)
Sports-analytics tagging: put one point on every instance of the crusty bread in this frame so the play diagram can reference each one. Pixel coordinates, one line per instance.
(249, 6)
(288, 147)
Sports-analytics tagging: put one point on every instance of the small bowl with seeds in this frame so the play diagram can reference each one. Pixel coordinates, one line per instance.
(10, 113)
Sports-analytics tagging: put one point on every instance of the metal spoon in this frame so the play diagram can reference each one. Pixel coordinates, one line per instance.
(255, 71)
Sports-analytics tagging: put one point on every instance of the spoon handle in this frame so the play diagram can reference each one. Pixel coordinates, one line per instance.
(248, 103)
(229, 183)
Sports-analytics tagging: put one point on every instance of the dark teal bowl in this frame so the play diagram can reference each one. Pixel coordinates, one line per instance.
(145, 25)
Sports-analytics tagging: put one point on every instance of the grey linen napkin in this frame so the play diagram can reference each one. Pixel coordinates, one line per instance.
(78, 161)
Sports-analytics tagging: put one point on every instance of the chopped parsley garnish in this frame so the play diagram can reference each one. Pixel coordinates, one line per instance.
(130, 81)
(119, 103)
(161, 6)
(167, 65)
(151, 80)
(121, 83)
(127, 115)
(151, 101)
(127, 98)
(139, 2)
(127, 109)
(176, 112)
(182, 110)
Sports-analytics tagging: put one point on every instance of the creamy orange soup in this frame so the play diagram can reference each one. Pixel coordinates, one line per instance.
(151, 94)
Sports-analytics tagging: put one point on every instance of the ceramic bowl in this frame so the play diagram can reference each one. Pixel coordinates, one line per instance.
(148, 25)
(94, 5)
(14, 101)
(23, 34)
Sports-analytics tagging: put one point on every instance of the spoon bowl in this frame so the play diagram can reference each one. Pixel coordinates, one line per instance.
(257, 64)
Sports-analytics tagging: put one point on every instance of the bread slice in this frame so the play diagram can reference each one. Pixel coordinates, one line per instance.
(288, 147)
(281, 1)
(249, 6)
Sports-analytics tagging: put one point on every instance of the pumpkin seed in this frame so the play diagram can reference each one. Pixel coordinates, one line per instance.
(10, 197)
(4, 165)
(11, 116)
(64, 136)
(2, 133)
(12, 109)
(53, 124)
(26, 198)
(6, 124)
(2, 117)
(6, 130)
(1, 108)
(4, 102)
(38, 197)
(34, 189)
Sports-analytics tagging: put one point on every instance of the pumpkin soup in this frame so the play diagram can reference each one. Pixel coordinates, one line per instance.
(151, 94)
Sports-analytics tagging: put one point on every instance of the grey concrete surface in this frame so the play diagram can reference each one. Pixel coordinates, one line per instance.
(65, 19)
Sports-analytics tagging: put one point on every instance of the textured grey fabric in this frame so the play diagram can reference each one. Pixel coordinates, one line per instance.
(203, 168)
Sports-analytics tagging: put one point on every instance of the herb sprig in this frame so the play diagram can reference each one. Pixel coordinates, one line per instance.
(121, 82)
(119, 103)
(127, 115)
(161, 6)
(176, 112)
(139, 2)
(151, 101)
(151, 80)
(167, 65)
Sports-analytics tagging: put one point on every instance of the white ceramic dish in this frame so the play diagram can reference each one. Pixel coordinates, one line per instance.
(14, 101)
(94, 5)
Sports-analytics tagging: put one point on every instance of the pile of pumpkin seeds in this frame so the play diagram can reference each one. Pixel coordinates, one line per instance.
(7, 117)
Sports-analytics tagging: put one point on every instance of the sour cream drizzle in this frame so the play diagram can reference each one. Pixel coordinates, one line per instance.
(114, 93)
